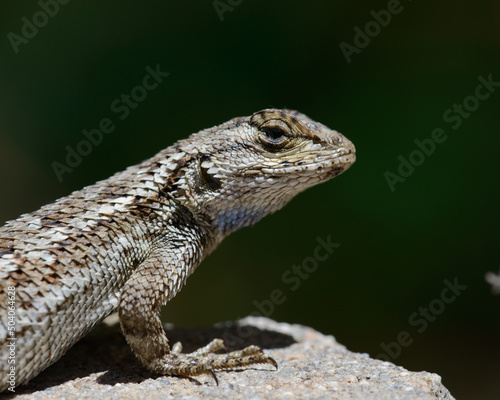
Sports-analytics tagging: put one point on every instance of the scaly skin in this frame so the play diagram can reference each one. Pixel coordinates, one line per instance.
(128, 243)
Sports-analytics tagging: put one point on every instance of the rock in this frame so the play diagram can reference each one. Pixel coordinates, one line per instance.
(311, 365)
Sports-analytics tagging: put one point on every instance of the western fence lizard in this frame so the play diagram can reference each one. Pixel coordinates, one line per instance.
(129, 242)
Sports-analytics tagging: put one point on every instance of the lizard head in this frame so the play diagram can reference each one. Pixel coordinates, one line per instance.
(252, 166)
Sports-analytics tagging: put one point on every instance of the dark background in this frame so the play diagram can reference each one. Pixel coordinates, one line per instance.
(397, 248)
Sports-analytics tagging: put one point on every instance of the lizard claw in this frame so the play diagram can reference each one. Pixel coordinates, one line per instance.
(212, 373)
(273, 362)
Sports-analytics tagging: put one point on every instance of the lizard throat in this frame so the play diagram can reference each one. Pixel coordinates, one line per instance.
(232, 219)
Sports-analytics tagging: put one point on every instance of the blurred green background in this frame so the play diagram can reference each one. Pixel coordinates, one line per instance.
(397, 247)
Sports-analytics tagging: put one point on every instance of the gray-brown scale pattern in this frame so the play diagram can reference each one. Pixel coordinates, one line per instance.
(128, 243)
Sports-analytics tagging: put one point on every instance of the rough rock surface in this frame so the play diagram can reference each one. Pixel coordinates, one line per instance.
(311, 365)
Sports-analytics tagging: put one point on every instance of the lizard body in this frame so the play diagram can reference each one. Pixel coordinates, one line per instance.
(129, 242)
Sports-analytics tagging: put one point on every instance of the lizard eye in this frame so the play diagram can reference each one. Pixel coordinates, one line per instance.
(274, 135)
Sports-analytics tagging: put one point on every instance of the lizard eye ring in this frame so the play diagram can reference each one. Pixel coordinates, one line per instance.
(274, 135)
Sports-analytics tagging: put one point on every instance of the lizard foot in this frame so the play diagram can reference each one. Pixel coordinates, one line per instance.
(204, 361)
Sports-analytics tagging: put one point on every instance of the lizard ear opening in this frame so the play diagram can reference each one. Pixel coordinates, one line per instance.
(208, 179)
(211, 181)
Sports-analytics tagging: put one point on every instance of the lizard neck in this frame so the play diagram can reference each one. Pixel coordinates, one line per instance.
(236, 216)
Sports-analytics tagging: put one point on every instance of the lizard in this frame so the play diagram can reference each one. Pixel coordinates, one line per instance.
(128, 243)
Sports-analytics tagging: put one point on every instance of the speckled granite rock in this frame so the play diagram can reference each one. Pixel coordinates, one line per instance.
(312, 366)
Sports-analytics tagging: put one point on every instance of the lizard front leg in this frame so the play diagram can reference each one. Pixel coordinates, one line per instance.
(153, 283)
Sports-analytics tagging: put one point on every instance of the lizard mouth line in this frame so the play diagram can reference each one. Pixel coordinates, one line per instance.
(347, 158)
(341, 164)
